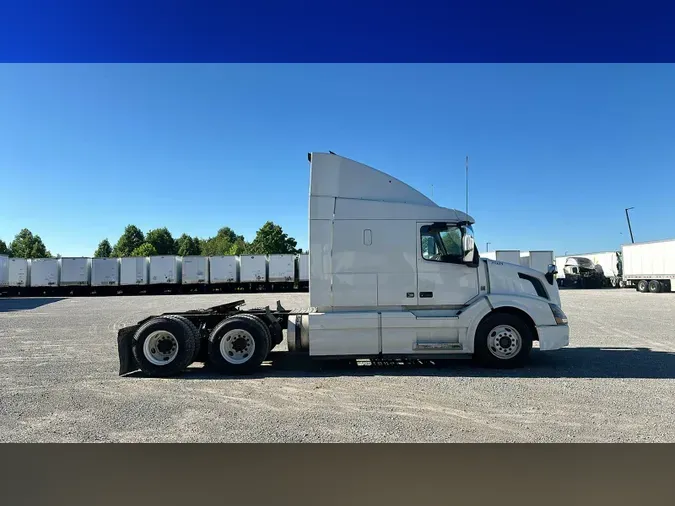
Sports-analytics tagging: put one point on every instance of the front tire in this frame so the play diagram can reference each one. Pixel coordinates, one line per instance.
(502, 340)
(163, 347)
(239, 344)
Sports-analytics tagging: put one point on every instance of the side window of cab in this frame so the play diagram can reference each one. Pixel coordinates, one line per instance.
(441, 243)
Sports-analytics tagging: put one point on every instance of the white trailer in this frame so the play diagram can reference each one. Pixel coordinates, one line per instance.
(165, 270)
(44, 272)
(134, 271)
(511, 256)
(608, 265)
(4, 270)
(195, 270)
(105, 271)
(253, 268)
(303, 270)
(75, 271)
(560, 268)
(281, 271)
(223, 269)
(392, 275)
(649, 266)
(537, 260)
(19, 272)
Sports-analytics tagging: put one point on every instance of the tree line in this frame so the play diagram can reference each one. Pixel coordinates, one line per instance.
(270, 239)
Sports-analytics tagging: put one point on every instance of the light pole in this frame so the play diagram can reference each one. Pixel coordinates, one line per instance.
(629, 227)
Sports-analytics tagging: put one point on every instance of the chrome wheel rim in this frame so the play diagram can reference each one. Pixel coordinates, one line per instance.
(504, 342)
(160, 347)
(237, 346)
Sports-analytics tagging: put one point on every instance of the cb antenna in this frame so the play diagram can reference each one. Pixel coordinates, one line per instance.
(467, 184)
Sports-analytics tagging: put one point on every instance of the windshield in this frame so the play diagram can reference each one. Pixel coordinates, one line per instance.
(584, 262)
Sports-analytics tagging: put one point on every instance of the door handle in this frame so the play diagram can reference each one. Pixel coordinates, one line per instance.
(426, 295)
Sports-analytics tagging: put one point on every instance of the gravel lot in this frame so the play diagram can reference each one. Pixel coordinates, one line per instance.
(615, 383)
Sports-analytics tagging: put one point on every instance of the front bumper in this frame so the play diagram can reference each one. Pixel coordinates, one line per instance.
(553, 337)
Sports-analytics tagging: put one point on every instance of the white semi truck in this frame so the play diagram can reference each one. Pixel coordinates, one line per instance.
(590, 269)
(392, 275)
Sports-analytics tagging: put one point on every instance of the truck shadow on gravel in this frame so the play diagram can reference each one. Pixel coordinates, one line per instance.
(10, 305)
(566, 363)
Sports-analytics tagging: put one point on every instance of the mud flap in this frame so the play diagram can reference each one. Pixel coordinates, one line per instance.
(124, 339)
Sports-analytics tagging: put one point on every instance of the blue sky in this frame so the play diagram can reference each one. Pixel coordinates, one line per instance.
(556, 151)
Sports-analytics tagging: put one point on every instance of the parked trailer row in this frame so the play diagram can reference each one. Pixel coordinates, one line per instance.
(537, 260)
(162, 273)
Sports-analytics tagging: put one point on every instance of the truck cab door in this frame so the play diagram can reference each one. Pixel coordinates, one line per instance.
(443, 278)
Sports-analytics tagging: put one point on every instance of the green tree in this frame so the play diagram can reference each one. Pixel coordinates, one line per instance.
(162, 240)
(4, 250)
(186, 245)
(144, 250)
(104, 249)
(27, 245)
(228, 233)
(272, 240)
(221, 243)
(131, 239)
(238, 248)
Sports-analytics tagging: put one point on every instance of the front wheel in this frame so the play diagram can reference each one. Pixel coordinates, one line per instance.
(502, 340)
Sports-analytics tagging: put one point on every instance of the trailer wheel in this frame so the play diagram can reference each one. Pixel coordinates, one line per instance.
(239, 344)
(163, 347)
(642, 285)
(196, 336)
(502, 340)
(655, 286)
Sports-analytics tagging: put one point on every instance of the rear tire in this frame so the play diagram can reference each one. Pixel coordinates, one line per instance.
(642, 286)
(163, 347)
(239, 344)
(502, 340)
(196, 336)
(655, 286)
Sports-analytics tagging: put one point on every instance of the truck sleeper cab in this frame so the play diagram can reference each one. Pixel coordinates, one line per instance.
(392, 274)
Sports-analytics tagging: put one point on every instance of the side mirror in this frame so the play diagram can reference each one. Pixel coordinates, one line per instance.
(551, 271)
(468, 248)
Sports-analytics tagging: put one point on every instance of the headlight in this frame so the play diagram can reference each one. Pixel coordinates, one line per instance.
(560, 317)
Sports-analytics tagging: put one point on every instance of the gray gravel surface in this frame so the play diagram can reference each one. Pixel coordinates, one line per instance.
(615, 383)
